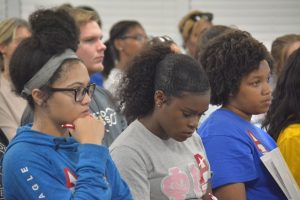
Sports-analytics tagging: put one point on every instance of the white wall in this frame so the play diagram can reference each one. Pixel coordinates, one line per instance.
(265, 19)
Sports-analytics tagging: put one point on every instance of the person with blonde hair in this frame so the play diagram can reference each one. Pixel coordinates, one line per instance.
(282, 48)
(12, 32)
(191, 26)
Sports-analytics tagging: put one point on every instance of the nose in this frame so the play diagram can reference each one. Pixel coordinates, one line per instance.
(86, 99)
(194, 121)
(267, 89)
(101, 45)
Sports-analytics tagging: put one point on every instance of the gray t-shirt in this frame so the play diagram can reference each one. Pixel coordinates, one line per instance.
(159, 169)
(102, 104)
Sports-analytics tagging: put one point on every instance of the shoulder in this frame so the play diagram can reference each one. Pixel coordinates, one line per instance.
(25, 155)
(102, 100)
(132, 136)
(289, 133)
(101, 91)
(222, 123)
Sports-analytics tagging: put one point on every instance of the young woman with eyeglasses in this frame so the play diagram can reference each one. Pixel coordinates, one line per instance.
(43, 161)
(126, 39)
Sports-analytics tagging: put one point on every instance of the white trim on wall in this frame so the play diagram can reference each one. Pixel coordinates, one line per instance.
(264, 19)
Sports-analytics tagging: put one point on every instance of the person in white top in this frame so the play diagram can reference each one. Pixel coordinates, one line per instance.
(126, 39)
(12, 32)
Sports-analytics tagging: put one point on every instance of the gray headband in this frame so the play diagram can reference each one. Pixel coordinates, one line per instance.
(47, 71)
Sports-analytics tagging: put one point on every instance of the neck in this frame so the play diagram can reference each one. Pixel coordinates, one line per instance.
(245, 116)
(123, 62)
(44, 124)
(153, 126)
(5, 72)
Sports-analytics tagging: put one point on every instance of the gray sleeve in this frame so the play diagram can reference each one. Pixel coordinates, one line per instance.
(27, 116)
(133, 170)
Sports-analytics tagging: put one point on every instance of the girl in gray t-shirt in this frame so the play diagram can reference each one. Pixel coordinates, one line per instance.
(159, 154)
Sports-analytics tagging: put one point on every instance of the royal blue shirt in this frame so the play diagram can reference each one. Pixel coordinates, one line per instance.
(41, 166)
(234, 147)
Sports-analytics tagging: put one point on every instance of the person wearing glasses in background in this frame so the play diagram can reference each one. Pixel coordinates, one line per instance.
(91, 52)
(191, 26)
(126, 39)
(43, 161)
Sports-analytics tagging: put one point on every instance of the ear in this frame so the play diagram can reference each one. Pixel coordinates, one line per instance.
(159, 98)
(2, 48)
(119, 44)
(37, 96)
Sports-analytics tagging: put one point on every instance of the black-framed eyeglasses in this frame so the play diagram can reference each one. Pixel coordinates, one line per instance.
(79, 92)
(140, 38)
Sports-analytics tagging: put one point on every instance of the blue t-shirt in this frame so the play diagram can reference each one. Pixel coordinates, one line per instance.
(234, 147)
(97, 78)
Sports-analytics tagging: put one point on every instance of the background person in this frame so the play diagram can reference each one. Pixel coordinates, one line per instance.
(282, 48)
(283, 118)
(126, 39)
(191, 27)
(12, 32)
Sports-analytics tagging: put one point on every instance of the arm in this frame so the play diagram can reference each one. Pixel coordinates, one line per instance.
(120, 189)
(133, 170)
(209, 194)
(32, 175)
(235, 191)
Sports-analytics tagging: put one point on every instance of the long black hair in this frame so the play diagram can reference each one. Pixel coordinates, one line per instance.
(285, 107)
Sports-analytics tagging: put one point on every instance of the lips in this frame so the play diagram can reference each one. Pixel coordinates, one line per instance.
(189, 133)
(86, 112)
(267, 101)
(99, 59)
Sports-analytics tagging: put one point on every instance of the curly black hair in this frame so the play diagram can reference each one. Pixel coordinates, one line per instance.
(157, 67)
(207, 35)
(227, 59)
(53, 31)
(285, 107)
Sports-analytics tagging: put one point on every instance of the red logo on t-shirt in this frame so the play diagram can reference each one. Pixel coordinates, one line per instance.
(71, 178)
(257, 143)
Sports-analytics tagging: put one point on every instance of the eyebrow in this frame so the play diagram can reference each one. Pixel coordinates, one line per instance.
(193, 111)
(76, 84)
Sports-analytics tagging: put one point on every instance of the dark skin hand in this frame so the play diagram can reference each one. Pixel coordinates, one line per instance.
(209, 191)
